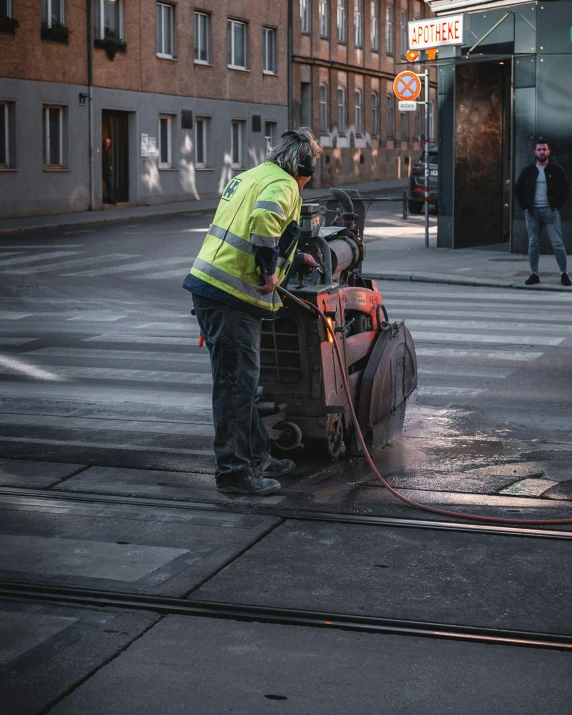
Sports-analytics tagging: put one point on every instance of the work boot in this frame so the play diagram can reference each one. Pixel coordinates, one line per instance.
(532, 279)
(565, 280)
(253, 484)
(272, 467)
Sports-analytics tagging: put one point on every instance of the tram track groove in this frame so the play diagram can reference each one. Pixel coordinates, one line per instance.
(288, 514)
(169, 606)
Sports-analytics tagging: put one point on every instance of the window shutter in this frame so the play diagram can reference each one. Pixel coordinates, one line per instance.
(186, 119)
(256, 123)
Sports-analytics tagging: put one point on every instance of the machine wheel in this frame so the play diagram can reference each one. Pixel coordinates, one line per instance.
(414, 207)
(290, 436)
(331, 446)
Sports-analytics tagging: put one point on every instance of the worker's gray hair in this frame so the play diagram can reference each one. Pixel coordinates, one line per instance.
(291, 147)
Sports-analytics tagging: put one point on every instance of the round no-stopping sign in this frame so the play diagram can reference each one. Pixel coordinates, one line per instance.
(407, 86)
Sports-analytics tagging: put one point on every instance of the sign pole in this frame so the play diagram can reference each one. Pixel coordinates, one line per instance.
(426, 158)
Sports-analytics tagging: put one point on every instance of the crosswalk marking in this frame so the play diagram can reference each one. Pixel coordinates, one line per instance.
(452, 371)
(551, 320)
(175, 273)
(533, 340)
(16, 341)
(185, 358)
(517, 356)
(13, 315)
(474, 298)
(110, 373)
(71, 264)
(145, 339)
(36, 257)
(478, 325)
(138, 266)
(448, 391)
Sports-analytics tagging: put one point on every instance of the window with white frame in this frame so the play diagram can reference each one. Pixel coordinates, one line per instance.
(270, 134)
(389, 29)
(404, 128)
(324, 108)
(323, 13)
(403, 32)
(165, 141)
(237, 44)
(108, 19)
(358, 23)
(268, 50)
(305, 13)
(236, 141)
(202, 34)
(341, 19)
(389, 120)
(6, 8)
(202, 154)
(374, 114)
(431, 121)
(53, 131)
(4, 136)
(165, 30)
(358, 111)
(374, 27)
(342, 110)
(53, 12)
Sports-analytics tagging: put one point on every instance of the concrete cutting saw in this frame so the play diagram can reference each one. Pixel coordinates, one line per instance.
(300, 395)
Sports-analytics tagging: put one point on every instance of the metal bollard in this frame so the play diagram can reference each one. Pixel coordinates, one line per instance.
(405, 206)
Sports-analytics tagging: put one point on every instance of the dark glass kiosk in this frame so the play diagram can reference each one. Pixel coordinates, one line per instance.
(497, 92)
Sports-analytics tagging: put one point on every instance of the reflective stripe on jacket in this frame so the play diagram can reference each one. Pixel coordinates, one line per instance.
(254, 232)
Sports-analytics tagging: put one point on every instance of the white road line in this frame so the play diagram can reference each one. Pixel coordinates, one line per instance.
(176, 273)
(111, 373)
(186, 358)
(7, 255)
(530, 340)
(16, 341)
(508, 296)
(482, 354)
(36, 257)
(108, 445)
(151, 339)
(43, 248)
(139, 266)
(191, 429)
(517, 314)
(9, 315)
(96, 316)
(446, 391)
(162, 326)
(488, 325)
(452, 371)
(73, 233)
(72, 264)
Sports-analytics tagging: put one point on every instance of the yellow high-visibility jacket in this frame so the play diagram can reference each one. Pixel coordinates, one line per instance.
(254, 232)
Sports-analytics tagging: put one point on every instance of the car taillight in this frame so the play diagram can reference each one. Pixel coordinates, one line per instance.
(416, 171)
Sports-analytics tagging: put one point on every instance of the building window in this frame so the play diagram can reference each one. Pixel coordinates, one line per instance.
(374, 114)
(236, 140)
(389, 116)
(358, 114)
(52, 12)
(202, 154)
(6, 8)
(109, 19)
(324, 108)
(305, 16)
(4, 136)
(358, 22)
(323, 11)
(341, 110)
(165, 30)
(374, 26)
(53, 128)
(431, 121)
(270, 134)
(237, 44)
(389, 29)
(341, 16)
(202, 38)
(404, 126)
(268, 50)
(403, 32)
(165, 141)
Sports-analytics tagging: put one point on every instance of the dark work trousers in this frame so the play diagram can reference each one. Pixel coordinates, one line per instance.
(233, 339)
(108, 181)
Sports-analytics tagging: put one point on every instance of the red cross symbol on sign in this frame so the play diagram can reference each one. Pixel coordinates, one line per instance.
(407, 86)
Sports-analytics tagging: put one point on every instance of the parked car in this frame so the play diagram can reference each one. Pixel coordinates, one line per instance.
(416, 188)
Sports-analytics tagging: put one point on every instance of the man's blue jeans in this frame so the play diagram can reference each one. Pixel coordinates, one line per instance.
(535, 220)
(233, 339)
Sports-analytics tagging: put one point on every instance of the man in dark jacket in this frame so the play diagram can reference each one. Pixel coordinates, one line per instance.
(541, 190)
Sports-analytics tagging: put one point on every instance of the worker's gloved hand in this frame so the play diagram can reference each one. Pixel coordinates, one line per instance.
(310, 261)
(270, 283)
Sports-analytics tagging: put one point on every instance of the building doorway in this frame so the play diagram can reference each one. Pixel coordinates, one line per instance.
(115, 126)
(483, 154)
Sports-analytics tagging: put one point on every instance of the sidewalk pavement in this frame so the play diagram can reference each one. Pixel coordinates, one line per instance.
(395, 249)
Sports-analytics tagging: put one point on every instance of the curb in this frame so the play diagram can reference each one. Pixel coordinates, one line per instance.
(102, 219)
(454, 280)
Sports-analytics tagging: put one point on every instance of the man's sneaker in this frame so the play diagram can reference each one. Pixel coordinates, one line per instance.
(253, 484)
(272, 467)
(532, 279)
(565, 280)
